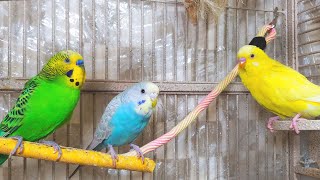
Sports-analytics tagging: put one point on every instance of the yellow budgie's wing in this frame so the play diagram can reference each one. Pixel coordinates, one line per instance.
(295, 86)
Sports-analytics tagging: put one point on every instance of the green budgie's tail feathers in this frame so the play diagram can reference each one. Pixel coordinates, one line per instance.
(3, 158)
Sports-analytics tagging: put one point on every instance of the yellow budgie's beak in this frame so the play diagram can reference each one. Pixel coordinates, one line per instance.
(242, 62)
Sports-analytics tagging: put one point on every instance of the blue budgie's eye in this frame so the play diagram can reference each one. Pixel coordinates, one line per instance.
(67, 60)
(142, 91)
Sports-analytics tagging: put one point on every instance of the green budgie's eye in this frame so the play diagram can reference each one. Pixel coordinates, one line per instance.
(67, 60)
(142, 91)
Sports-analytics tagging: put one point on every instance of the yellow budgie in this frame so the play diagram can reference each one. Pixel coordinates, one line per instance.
(280, 89)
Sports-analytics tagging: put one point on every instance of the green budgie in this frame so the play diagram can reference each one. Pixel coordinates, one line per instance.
(46, 102)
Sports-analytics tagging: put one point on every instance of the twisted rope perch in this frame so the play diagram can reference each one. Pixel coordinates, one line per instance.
(76, 156)
(266, 31)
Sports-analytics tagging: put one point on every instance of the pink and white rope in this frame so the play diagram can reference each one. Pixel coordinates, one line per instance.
(151, 146)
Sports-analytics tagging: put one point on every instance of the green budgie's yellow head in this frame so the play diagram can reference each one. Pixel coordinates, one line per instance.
(68, 65)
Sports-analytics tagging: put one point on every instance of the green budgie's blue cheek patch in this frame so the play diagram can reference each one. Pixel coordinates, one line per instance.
(69, 73)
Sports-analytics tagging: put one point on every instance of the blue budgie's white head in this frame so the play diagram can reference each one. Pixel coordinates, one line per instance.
(145, 95)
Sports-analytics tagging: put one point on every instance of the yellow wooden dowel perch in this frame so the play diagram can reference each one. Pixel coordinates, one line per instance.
(76, 156)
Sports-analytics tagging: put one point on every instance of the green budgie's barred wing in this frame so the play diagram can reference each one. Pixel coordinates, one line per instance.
(13, 119)
(103, 129)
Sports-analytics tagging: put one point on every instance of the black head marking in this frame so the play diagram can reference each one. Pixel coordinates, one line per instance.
(71, 80)
(260, 42)
(69, 73)
(77, 83)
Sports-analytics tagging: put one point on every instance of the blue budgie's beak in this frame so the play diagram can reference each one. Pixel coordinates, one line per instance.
(80, 62)
(154, 99)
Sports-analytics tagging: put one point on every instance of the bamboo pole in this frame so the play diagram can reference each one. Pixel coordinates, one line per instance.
(76, 156)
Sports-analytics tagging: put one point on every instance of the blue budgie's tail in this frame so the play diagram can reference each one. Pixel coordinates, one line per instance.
(3, 158)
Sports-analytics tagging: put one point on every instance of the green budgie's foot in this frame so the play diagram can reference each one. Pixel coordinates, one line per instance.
(138, 150)
(55, 146)
(113, 155)
(19, 145)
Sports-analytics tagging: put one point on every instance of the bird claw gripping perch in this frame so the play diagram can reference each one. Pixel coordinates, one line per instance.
(138, 150)
(271, 121)
(113, 155)
(294, 125)
(54, 145)
(19, 145)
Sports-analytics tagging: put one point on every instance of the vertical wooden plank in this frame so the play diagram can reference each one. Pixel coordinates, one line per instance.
(86, 120)
(223, 169)
(31, 30)
(4, 36)
(211, 50)
(233, 137)
(124, 40)
(212, 140)
(221, 52)
(262, 143)
(202, 143)
(243, 141)
(169, 41)
(252, 138)
(182, 140)
(159, 172)
(170, 147)
(136, 40)
(100, 37)
(16, 39)
(147, 41)
(192, 141)
(200, 56)
(180, 43)
(158, 71)
(87, 36)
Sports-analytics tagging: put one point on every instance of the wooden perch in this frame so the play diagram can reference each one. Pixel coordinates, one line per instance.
(76, 156)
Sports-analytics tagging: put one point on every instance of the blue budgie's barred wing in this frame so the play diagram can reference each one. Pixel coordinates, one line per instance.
(103, 129)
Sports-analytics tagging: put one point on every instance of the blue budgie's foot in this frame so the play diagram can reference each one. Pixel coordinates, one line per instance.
(54, 145)
(113, 155)
(138, 150)
(18, 145)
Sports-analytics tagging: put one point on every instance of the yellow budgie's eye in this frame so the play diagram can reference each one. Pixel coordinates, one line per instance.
(252, 55)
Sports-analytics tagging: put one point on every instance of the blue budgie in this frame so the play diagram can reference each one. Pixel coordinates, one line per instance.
(124, 119)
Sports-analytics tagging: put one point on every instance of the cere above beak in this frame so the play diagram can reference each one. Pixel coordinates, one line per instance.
(242, 61)
(80, 62)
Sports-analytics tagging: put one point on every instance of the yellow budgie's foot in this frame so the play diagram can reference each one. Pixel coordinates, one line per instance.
(294, 121)
(271, 121)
